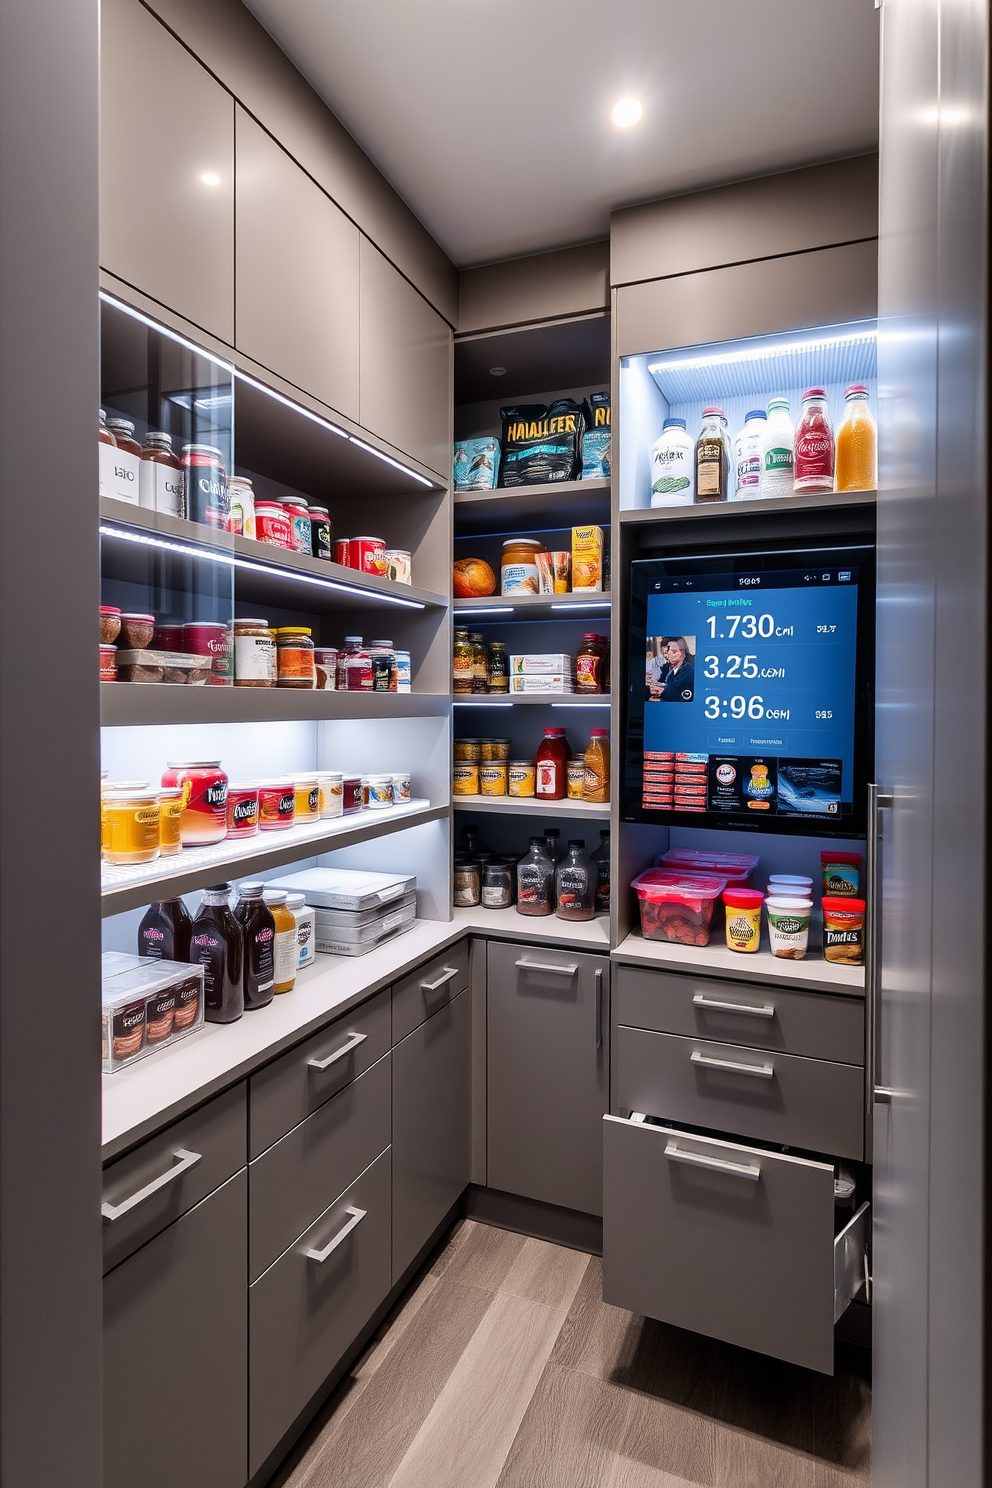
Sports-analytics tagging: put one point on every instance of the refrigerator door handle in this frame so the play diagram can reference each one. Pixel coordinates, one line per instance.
(875, 1092)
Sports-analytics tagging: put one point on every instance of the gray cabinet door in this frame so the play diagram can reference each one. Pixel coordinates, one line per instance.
(548, 1066)
(431, 1126)
(406, 386)
(175, 1352)
(166, 169)
(297, 267)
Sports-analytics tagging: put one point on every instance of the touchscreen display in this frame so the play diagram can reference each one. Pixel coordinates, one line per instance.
(750, 688)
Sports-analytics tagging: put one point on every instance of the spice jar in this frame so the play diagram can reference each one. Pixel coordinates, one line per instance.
(130, 825)
(205, 485)
(320, 533)
(110, 624)
(519, 570)
(498, 880)
(298, 512)
(204, 786)
(241, 506)
(499, 668)
(294, 656)
(272, 525)
(467, 883)
(381, 657)
(171, 802)
(254, 654)
(464, 654)
(160, 476)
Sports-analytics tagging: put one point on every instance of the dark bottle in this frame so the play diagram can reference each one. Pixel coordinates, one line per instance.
(258, 930)
(535, 880)
(600, 860)
(575, 884)
(165, 930)
(499, 668)
(216, 945)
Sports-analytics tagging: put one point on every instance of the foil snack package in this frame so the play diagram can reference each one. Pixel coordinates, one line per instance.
(476, 464)
(597, 438)
(541, 443)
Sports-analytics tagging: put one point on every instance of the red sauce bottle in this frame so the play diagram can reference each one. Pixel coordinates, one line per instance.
(552, 766)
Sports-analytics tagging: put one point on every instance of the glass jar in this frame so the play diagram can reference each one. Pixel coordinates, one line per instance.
(204, 786)
(712, 457)
(294, 657)
(467, 883)
(205, 486)
(354, 666)
(535, 880)
(276, 805)
(298, 513)
(498, 879)
(589, 664)
(519, 570)
(160, 476)
(464, 656)
(576, 776)
(575, 885)
(320, 533)
(254, 654)
(857, 443)
(170, 821)
(480, 665)
(468, 750)
(241, 506)
(130, 825)
(382, 659)
(499, 668)
(330, 785)
(272, 525)
(307, 791)
(242, 809)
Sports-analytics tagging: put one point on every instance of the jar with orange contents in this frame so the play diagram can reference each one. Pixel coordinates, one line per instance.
(130, 825)
(171, 802)
(857, 443)
(295, 658)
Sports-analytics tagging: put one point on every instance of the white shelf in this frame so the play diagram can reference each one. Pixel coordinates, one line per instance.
(533, 606)
(132, 885)
(532, 806)
(133, 704)
(590, 935)
(727, 509)
(814, 974)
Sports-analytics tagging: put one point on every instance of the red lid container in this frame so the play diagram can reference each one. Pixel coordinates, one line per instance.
(677, 907)
(736, 868)
(743, 898)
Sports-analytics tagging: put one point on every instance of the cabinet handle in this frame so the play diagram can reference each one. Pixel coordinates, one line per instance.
(599, 1007)
(878, 801)
(720, 1164)
(761, 1071)
(714, 1005)
(351, 1043)
(320, 1256)
(187, 1160)
(446, 975)
(569, 970)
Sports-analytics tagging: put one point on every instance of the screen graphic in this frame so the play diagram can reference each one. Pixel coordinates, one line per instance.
(749, 692)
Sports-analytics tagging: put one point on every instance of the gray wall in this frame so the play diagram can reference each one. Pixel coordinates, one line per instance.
(542, 286)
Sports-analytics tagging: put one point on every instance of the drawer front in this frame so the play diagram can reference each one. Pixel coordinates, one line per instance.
(809, 1023)
(286, 1091)
(730, 1241)
(294, 1181)
(767, 1096)
(147, 1189)
(421, 993)
(304, 1312)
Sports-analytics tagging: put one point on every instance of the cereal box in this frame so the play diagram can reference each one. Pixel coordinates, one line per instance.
(587, 558)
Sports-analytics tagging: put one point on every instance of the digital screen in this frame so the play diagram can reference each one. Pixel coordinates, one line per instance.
(751, 688)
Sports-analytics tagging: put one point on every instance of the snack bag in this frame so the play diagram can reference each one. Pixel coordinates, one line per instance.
(541, 444)
(597, 438)
(476, 464)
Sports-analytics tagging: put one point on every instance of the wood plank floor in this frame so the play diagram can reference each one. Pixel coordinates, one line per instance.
(503, 1368)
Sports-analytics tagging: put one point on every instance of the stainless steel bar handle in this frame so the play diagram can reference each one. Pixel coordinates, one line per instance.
(599, 1008)
(569, 970)
(346, 1048)
(874, 1091)
(446, 975)
(320, 1256)
(765, 1010)
(674, 1153)
(761, 1071)
(187, 1160)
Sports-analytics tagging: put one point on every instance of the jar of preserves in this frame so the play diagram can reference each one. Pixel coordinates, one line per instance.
(160, 476)
(276, 805)
(480, 664)
(107, 445)
(294, 657)
(171, 802)
(298, 512)
(382, 658)
(205, 486)
(519, 569)
(254, 654)
(464, 655)
(242, 809)
(241, 506)
(499, 668)
(204, 787)
(108, 663)
(552, 766)
(354, 666)
(307, 793)
(110, 624)
(320, 533)
(272, 525)
(130, 825)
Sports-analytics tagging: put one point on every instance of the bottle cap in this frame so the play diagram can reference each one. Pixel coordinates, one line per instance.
(673, 423)
(714, 411)
(755, 413)
(814, 393)
(857, 390)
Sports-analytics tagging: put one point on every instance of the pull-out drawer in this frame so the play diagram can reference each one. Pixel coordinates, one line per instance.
(312, 1304)
(294, 1181)
(815, 1024)
(766, 1096)
(286, 1091)
(421, 993)
(147, 1189)
(731, 1241)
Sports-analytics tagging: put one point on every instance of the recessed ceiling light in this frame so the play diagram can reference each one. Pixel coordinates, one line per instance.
(210, 178)
(627, 111)
(497, 371)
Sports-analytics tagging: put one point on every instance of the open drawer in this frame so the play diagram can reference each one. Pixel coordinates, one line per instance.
(735, 1242)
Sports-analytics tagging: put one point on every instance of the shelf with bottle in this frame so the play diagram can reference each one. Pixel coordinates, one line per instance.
(533, 806)
(726, 510)
(812, 973)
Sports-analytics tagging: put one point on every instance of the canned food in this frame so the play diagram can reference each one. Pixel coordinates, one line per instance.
(575, 777)
(522, 778)
(380, 791)
(272, 525)
(402, 789)
(341, 551)
(242, 810)
(492, 778)
(108, 663)
(402, 672)
(468, 749)
(276, 805)
(399, 566)
(465, 779)
(203, 638)
(368, 555)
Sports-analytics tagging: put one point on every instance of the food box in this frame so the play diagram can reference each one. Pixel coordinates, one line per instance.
(163, 666)
(551, 682)
(587, 558)
(148, 1008)
(346, 888)
(677, 907)
(335, 939)
(736, 868)
(541, 662)
(348, 919)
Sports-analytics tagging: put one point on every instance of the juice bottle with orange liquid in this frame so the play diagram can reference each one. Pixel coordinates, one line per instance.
(857, 443)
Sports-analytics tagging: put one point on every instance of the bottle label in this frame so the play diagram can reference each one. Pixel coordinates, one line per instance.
(669, 471)
(287, 955)
(748, 471)
(814, 455)
(778, 460)
(708, 465)
(123, 473)
(587, 674)
(548, 783)
(254, 658)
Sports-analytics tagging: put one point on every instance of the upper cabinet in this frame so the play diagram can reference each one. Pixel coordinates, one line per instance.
(167, 170)
(406, 364)
(298, 274)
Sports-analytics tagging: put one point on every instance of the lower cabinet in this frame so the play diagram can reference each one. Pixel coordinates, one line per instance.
(431, 1126)
(548, 1073)
(175, 1357)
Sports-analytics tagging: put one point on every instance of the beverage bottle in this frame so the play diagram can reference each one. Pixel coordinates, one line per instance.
(747, 455)
(600, 860)
(857, 443)
(777, 451)
(575, 884)
(535, 880)
(258, 930)
(287, 949)
(165, 930)
(551, 766)
(814, 455)
(712, 457)
(671, 466)
(597, 781)
(216, 945)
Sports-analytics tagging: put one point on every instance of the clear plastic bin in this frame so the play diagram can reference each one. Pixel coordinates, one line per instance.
(677, 908)
(148, 1008)
(736, 868)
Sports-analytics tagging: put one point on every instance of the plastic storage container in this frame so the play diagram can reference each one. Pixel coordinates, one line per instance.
(736, 868)
(676, 907)
(337, 939)
(342, 888)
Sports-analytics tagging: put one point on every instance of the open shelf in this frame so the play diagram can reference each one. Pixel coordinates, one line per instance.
(589, 935)
(814, 974)
(641, 514)
(533, 806)
(533, 699)
(128, 886)
(532, 606)
(558, 504)
(135, 704)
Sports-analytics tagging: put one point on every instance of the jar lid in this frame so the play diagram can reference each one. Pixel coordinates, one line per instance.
(320, 510)
(264, 504)
(172, 790)
(201, 449)
(365, 538)
(105, 647)
(295, 901)
(193, 764)
(673, 423)
(252, 889)
(203, 625)
(857, 390)
(755, 413)
(597, 733)
(158, 436)
(133, 615)
(274, 896)
(293, 630)
(245, 621)
(814, 393)
(119, 785)
(109, 610)
(778, 403)
(329, 775)
(238, 480)
(120, 423)
(136, 793)
(243, 785)
(387, 644)
(743, 898)
(554, 733)
(714, 411)
(354, 640)
(524, 542)
(294, 501)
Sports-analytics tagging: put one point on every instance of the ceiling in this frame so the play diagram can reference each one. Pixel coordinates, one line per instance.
(492, 117)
